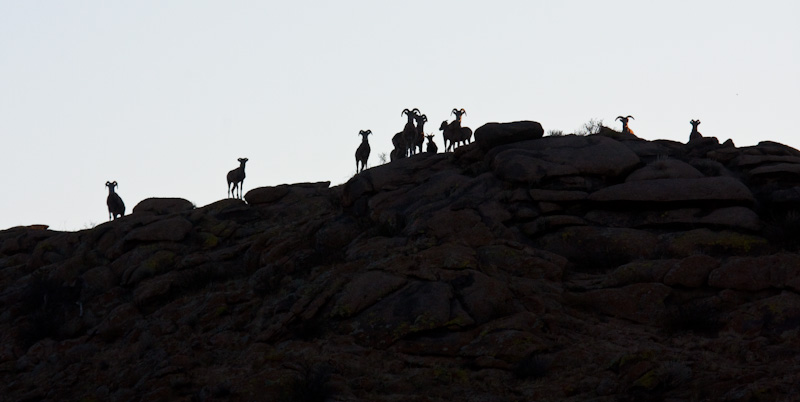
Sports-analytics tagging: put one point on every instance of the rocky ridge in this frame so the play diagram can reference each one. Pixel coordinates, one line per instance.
(520, 267)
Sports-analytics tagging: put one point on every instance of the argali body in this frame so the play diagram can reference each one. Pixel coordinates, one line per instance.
(115, 205)
(362, 153)
(695, 134)
(409, 131)
(431, 148)
(454, 133)
(420, 138)
(236, 177)
(624, 121)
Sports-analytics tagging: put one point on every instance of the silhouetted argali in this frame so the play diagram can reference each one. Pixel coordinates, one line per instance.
(453, 131)
(624, 121)
(362, 153)
(695, 134)
(236, 176)
(115, 205)
(464, 134)
(409, 131)
(431, 148)
(419, 140)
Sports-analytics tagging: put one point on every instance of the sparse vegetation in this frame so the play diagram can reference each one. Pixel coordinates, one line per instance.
(555, 133)
(591, 127)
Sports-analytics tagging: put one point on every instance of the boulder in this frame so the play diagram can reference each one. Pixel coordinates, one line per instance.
(776, 148)
(364, 291)
(266, 195)
(691, 271)
(786, 196)
(172, 229)
(526, 262)
(776, 316)
(730, 217)
(483, 297)
(419, 306)
(163, 206)
(665, 169)
(448, 256)
(558, 195)
(491, 135)
(780, 169)
(758, 160)
(524, 167)
(677, 190)
(778, 271)
(702, 146)
(534, 161)
(599, 248)
(647, 149)
(550, 223)
(641, 271)
(642, 302)
(683, 244)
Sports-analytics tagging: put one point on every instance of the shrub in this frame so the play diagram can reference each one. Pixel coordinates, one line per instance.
(593, 126)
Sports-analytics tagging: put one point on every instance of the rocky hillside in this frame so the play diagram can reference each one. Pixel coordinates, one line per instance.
(518, 268)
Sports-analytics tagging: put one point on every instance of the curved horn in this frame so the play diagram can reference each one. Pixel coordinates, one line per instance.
(405, 111)
(619, 118)
(455, 111)
(630, 117)
(463, 111)
(415, 111)
(108, 183)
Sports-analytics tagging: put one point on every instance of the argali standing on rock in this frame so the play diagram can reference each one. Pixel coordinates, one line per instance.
(236, 177)
(115, 205)
(453, 131)
(409, 131)
(624, 121)
(362, 153)
(695, 134)
(419, 140)
(431, 148)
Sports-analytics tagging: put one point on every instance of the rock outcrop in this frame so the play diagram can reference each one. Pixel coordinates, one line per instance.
(520, 267)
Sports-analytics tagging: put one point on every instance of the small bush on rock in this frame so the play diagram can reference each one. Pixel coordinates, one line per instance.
(591, 127)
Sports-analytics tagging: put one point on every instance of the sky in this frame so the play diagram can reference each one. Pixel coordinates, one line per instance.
(163, 96)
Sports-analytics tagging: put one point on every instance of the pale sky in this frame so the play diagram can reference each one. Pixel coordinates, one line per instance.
(164, 96)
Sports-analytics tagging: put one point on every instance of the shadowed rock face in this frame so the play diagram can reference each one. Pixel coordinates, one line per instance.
(613, 267)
